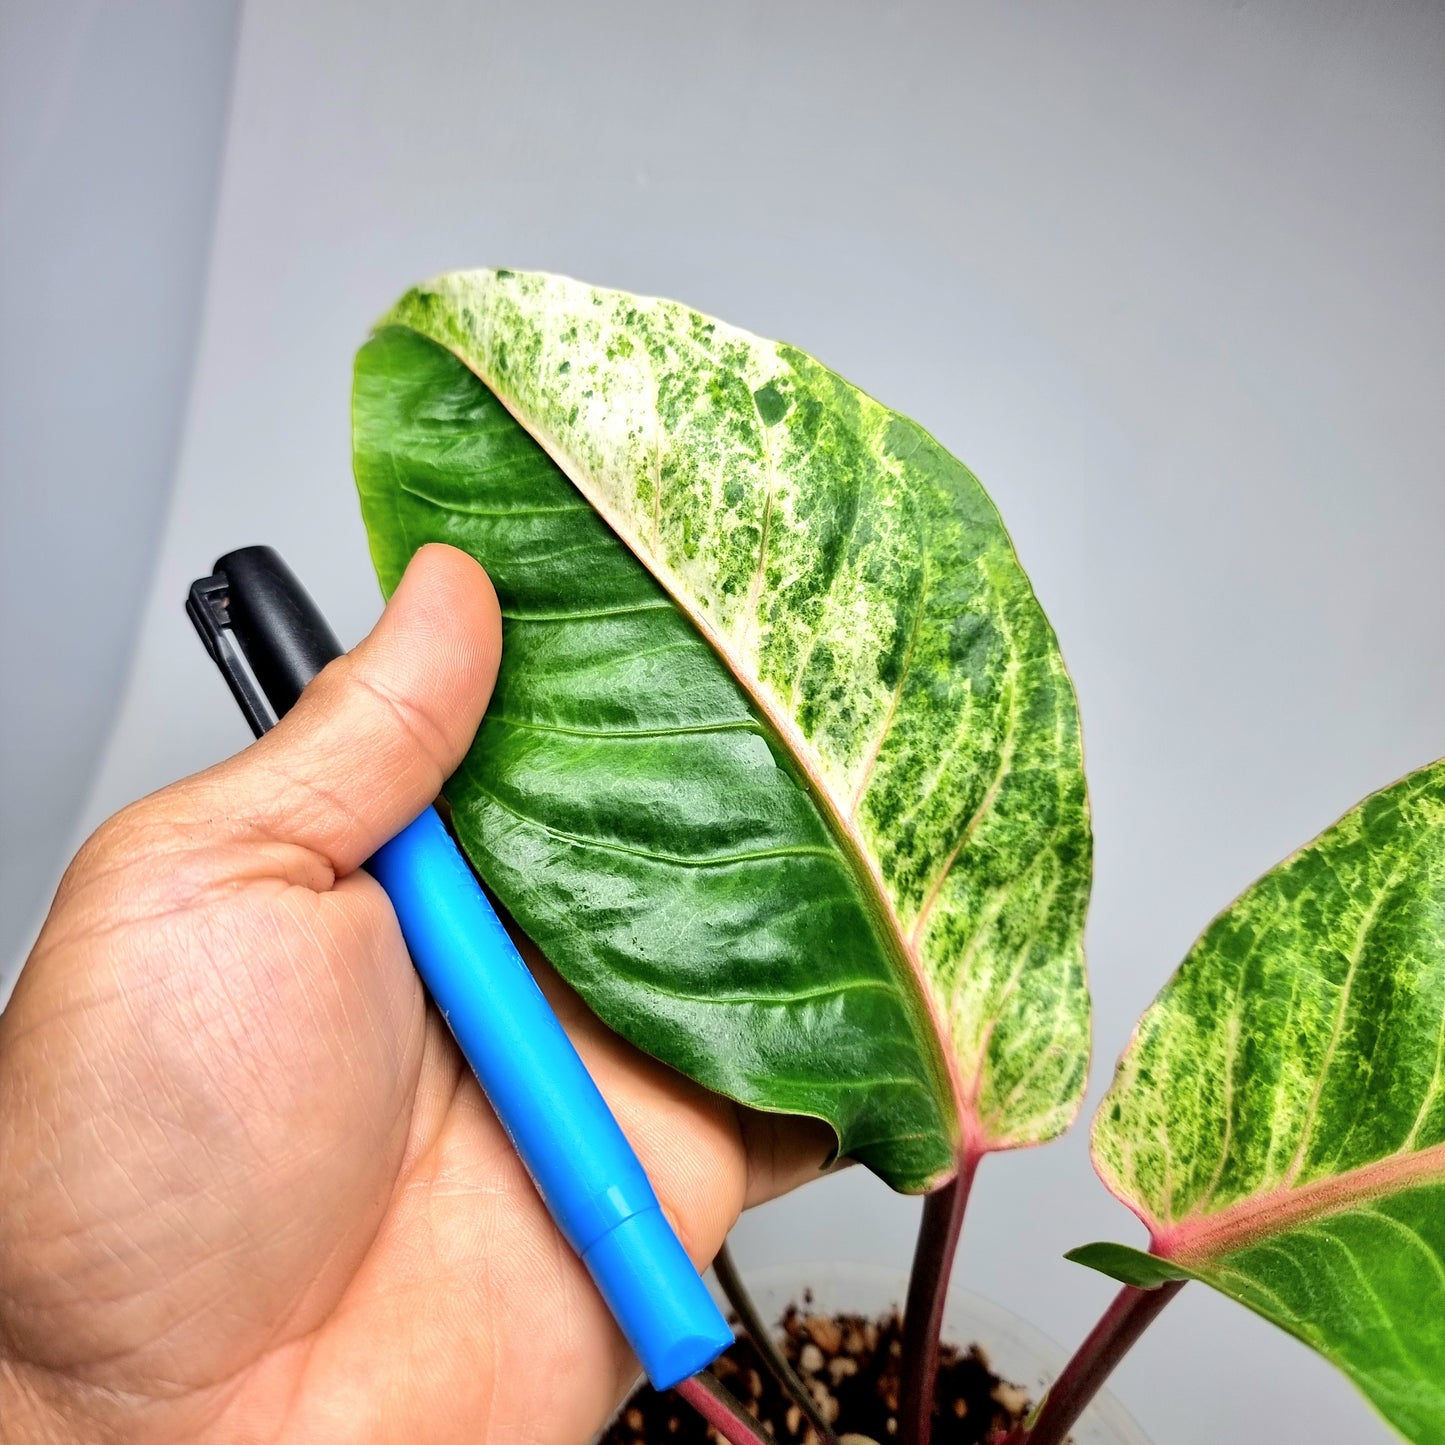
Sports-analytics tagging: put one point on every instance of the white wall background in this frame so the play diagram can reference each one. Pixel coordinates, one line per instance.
(1166, 274)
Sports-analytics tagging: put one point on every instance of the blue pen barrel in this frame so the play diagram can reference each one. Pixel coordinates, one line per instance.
(580, 1160)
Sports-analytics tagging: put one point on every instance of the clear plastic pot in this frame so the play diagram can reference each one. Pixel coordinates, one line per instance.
(1016, 1351)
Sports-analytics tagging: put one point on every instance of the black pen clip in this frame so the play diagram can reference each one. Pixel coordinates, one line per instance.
(209, 607)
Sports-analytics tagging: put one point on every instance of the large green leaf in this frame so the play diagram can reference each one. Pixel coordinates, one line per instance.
(1278, 1121)
(783, 769)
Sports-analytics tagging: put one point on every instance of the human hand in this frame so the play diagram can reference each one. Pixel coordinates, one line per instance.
(249, 1191)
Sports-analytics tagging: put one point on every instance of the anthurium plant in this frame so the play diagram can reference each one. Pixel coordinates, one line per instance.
(783, 773)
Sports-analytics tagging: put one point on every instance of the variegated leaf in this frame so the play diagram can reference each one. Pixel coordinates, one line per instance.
(1278, 1122)
(783, 771)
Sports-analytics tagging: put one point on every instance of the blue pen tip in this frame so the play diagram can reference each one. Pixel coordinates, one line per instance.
(655, 1294)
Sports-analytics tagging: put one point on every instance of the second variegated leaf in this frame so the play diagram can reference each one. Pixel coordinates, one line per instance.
(1278, 1122)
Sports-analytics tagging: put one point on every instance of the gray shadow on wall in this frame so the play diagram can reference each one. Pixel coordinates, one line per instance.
(111, 126)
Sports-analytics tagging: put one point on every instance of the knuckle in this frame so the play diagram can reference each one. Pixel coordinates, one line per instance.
(417, 725)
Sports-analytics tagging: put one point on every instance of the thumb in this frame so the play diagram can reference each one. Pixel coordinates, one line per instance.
(376, 734)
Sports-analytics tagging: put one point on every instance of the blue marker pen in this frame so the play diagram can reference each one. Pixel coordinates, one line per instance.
(585, 1170)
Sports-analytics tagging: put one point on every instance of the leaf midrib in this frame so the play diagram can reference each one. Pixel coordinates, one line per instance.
(1203, 1237)
(865, 867)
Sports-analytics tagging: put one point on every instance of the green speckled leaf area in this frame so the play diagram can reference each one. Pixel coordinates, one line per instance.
(1279, 1119)
(783, 770)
